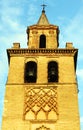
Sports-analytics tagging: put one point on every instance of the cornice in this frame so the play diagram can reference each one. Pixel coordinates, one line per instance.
(50, 26)
(41, 51)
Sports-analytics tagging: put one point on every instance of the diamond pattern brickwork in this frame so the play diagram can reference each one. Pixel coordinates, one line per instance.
(40, 103)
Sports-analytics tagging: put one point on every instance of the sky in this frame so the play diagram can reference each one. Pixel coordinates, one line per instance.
(15, 16)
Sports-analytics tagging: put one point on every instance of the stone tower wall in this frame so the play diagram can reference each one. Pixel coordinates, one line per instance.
(65, 65)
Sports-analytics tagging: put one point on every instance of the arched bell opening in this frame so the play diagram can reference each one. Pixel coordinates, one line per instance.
(42, 43)
(30, 72)
(52, 71)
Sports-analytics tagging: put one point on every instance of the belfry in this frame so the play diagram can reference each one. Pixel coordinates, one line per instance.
(41, 90)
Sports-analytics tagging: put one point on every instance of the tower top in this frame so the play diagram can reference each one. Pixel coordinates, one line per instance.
(43, 5)
(43, 18)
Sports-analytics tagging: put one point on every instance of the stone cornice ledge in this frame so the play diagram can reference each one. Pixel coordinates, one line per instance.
(43, 51)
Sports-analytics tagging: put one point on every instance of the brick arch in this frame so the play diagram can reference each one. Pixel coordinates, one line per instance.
(31, 59)
(42, 128)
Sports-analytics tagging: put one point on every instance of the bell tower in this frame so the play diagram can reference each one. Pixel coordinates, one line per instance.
(43, 34)
(41, 90)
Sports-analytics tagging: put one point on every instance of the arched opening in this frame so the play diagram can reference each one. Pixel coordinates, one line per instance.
(30, 72)
(52, 71)
(42, 41)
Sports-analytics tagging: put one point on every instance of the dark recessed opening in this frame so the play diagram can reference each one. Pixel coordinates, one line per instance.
(30, 72)
(52, 71)
(42, 41)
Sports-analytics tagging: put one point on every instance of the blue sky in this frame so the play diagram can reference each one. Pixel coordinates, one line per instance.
(15, 16)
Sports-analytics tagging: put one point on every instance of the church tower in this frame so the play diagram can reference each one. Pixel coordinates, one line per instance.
(41, 90)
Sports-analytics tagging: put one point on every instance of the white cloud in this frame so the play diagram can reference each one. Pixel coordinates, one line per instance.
(32, 14)
(81, 119)
(9, 9)
(73, 31)
(8, 20)
(51, 3)
(80, 73)
(11, 22)
(3, 69)
(81, 123)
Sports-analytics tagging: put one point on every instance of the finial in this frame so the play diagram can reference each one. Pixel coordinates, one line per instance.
(43, 5)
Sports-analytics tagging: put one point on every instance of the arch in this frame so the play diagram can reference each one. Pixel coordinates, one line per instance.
(52, 115)
(30, 115)
(30, 72)
(41, 115)
(42, 128)
(28, 59)
(42, 43)
(52, 71)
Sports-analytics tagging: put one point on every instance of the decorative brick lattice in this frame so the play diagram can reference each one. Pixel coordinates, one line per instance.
(40, 103)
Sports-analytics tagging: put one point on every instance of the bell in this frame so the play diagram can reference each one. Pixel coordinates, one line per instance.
(31, 73)
(52, 71)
